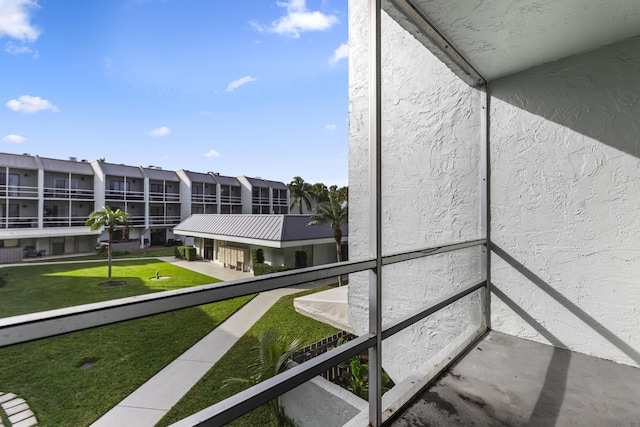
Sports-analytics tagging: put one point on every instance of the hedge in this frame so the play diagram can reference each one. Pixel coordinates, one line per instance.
(185, 252)
(261, 269)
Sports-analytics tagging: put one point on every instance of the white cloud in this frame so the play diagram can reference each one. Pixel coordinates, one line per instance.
(211, 154)
(237, 83)
(161, 131)
(15, 49)
(14, 20)
(31, 104)
(298, 20)
(341, 52)
(14, 139)
(332, 126)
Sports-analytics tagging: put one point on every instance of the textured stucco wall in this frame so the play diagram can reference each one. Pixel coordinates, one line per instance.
(565, 198)
(431, 190)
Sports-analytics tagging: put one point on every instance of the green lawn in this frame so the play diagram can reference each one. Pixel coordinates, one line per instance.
(47, 372)
(283, 318)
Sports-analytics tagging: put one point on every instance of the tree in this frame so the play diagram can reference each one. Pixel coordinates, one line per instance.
(334, 213)
(320, 192)
(270, 358)
(300, 192)
(110, 220)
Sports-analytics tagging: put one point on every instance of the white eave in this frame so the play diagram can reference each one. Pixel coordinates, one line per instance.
(497, 38)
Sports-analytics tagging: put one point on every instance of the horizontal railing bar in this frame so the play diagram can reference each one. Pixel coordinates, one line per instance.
(408, 320)
(406, 256)
(239, 404)
(32, 326)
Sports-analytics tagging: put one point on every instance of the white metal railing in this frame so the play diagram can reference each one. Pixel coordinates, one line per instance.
(19, 222)
(230, 200)
(20, 191)
(28, 327)
(164, 219)
(63, 221)
(67, 193)
(124, 195)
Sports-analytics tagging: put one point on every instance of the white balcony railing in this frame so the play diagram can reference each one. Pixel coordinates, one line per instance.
(19, 191)
(19, 222)
(67, 193)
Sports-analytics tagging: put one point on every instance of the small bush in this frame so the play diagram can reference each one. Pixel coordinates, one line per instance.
(258, 256)
(301, 259)
(185, 252)
(261, 269)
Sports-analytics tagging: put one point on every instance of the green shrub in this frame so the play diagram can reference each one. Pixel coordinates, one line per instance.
(258, 256)
(301, 259)
(185, 252)
(261, 269)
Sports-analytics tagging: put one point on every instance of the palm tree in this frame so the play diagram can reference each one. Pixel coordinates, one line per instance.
(300, 192)
(110, 220)
(320, 192)
(270, 358)
(334, 213)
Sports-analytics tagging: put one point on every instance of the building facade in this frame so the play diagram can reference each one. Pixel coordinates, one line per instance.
(44, 202)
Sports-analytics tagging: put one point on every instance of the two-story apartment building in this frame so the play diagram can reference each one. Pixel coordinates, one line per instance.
(44, 202)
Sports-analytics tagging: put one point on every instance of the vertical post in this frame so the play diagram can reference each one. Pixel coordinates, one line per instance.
(485, 213)
(375, 197)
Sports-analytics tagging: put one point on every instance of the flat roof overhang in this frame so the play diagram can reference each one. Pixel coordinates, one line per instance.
(484, 40)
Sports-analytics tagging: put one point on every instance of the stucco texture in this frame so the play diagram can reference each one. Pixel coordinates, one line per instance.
(431, 190)
(565, 203)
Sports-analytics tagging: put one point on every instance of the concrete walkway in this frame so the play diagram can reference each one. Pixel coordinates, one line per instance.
(149, 403)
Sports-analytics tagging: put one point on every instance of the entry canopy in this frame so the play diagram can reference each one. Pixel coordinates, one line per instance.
(502, 37)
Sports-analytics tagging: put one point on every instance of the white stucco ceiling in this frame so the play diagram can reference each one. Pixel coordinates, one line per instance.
(502, 37)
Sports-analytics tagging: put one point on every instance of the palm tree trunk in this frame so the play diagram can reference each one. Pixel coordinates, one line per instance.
(109, 252)
(337, 234)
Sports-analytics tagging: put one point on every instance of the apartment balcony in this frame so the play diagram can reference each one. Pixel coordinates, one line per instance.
(19, 222)
(64, 193)
(124, 195)
(230, 200)
(164, 197)
(136, 220)
(64, 221)
(19, 191)
(204, 198)
(167, 220)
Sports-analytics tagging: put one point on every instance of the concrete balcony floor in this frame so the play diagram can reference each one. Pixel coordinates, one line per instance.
(508, 381)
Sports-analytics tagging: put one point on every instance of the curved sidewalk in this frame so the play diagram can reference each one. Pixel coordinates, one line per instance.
(149, 403)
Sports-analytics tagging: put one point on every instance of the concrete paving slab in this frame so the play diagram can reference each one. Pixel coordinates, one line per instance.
(16, 408)
(123, 416)
(167, 386)
(20, 416)
(28, 422)
(509, 381)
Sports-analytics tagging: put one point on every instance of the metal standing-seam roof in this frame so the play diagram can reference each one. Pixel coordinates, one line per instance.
(276, 228)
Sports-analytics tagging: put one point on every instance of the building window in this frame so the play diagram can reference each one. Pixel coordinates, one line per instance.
(13, 183)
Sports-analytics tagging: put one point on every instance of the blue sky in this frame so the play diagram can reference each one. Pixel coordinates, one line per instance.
(250, 87)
